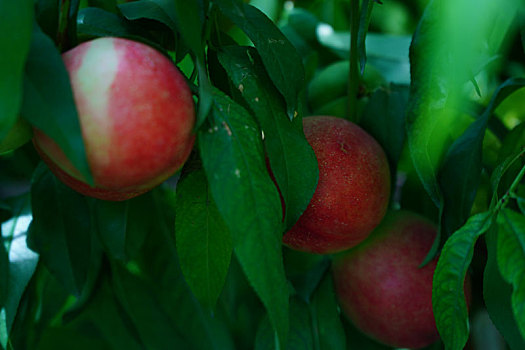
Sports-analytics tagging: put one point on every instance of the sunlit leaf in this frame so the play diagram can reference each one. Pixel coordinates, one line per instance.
(22, 264)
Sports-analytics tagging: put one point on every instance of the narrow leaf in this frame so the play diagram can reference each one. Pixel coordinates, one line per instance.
(203, 241)
(364, 21)
(292, 160)
(61, 230)
(300, 337)
(280, 58)
(232, 154)
(151, 10)
(98, 22)
(511, 260)
(16, 18)
(107, 316)
(123, 226)
(384, 118)
(48, 100)
(497, 296)
(148, 316)
(448, 298)
(328, 329)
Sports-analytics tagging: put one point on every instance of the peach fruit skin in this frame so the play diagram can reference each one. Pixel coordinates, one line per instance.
(353, 190)
(380, 287)
(136, 114)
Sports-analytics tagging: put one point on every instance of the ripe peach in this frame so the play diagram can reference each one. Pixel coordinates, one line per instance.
(136, 114)
(381, 288)
(353, 190)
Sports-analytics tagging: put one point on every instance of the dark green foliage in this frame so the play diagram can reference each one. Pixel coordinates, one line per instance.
(198, 262)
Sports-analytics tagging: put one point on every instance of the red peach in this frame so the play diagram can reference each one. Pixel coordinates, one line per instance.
(136, 114)
(353, 190)
(381, 288)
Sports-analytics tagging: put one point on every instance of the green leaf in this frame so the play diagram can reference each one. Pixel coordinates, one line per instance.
(280, 58)
(305, 271)
(364, 21)
(158, 266)
(46, 15)
(98, 22)
(502, 171)
(22, 263)
(460, 175)
(203, 241)
(384, 118)
(448, 298)
(154, 10)
(48, 100)
(149, 317)
(292, 160)
(106, 315)
(62, 338)
(511, 260)
(328, 329)
(16, 18)
(232, 155)
(300, 337)
(182, 17)
(439, 69)
(123, 226)
(497, 297)
(61, 230)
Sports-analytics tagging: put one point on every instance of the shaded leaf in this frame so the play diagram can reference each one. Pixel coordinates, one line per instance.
(16, 18)
(153, 10)
(98, 22)
(280, 58)
(448, 298)
(113, 323)
(292, 160)
(61, 230)
(511, 260)
(497, 297)
(300, 336)
(305, 271)
(152, 323)
(203, 241)
(48, 100)
(123, 226)
(62, 338)
(328, 329)
(384, 118)
(232, 155)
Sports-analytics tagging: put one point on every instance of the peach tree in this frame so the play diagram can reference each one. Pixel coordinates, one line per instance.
(198, 261)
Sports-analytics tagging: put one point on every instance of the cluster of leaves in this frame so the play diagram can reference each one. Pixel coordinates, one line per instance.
(198, 262)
